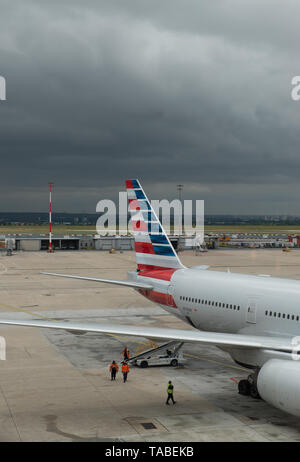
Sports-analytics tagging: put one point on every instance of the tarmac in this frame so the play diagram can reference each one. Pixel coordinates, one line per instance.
(55, 385)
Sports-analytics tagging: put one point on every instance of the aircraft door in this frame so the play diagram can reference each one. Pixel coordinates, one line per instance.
(251, 310)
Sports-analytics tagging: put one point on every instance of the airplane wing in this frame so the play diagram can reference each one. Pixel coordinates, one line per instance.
(187, 336)
(133, 284)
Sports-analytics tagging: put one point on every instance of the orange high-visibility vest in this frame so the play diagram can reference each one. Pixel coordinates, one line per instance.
(125, 368)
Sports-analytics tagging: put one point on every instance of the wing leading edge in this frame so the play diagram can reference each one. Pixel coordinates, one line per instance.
(188, 336)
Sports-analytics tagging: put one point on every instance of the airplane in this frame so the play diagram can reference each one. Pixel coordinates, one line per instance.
(254, 318)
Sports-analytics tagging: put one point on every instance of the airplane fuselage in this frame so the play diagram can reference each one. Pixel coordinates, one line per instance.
(218, 301)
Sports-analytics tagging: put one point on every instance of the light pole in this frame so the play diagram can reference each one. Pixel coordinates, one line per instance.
(179, 189)
(50, 250)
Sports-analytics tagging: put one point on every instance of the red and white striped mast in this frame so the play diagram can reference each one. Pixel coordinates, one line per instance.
(50, 250)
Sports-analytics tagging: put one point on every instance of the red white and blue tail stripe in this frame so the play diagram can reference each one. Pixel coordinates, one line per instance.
(152, 245)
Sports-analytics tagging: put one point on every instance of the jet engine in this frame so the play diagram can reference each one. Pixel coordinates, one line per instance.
(278, 383)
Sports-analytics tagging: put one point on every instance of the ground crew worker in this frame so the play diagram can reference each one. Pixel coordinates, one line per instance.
(113, 369)
(170, 390)
(125, 370)
(126, 354)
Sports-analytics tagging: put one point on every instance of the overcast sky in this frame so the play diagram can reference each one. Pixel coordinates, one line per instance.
(168, 91)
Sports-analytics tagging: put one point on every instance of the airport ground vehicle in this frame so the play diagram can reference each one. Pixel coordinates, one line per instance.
(163, 355)
(161, 360)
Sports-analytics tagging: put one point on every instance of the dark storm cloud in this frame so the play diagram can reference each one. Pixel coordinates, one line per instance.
(191, 92)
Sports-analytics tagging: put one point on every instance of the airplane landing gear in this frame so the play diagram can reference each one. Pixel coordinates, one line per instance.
(249, 387)
(244, 387)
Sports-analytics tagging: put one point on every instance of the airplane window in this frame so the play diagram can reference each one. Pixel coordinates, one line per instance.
(189, 299)
(283, 316)
(238, 308)
(270, 313)
(293, 317)
(226, 305)
(266, 313)
(212, 303)
(205, 302)
(274, 315)
(288, 316)
(223, 305)
(279, 315)
(231, 307)
(297, 318)
(209, 302)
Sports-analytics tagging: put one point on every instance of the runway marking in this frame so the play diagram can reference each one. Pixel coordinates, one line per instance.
(236, 379)
(216, 362)
(149, 343)
(11, 307)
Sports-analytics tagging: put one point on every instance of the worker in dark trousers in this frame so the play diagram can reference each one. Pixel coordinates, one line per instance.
(126, 354)
(125, 370)
(170, 391)
(113, 370)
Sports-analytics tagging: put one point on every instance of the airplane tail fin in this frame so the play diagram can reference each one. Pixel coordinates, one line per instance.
(152, 245)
